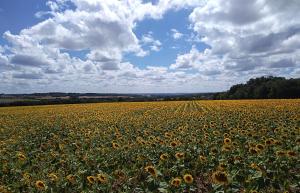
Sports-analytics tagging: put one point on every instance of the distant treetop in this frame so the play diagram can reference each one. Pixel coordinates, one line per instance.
(263, 88)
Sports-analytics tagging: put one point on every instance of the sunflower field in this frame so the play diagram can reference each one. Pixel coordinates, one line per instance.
(183, 146)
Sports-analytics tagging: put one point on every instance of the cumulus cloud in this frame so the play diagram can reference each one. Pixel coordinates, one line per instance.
(204, 62)
(148, 40)
(176, 34)
(245, 36)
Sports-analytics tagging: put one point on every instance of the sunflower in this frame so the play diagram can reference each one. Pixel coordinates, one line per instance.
(222, 166)
(40, 185)
(226, 135)
(269, 141)
(21, 156)
(153, 144)
(291, 154)
(115, 145)
(227, 141)
(250, 144)
(260, 147)
(53, 177)
(26, 176)
(168, 135)
(254, 166)
(91, 179)
(220, 177)
(216, 133)
(180, 129)
(214, 150)
(202, 158)
(142, 142)
(151, 170)
(253, 151)
(102, 178)
(253, 191)
(173, 144)
(280, 153)
(176, 182)
(188, 178)
(226, 148)
(163, 156)
(179, 155)
(71, 178)
(238, 158)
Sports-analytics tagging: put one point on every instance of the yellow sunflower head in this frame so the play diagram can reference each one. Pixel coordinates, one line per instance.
(260, 147)
(163, 156)
(176, 182)
(214, 150)
(151, 170)
(102, 178)
(220, 177)
(27, 176)
(269, 141)
(168, 135)
(222, 166)
(202, 158)
(21, 156)
(53, 177)
(253, 151)
(227, 141)
(179, 155)
(226, 148)
(188, 178)
(291, 154)
(280, 153)
(115, 145)
(71, 178)
(40, 185)
(254, 166)
(173, 144)
(226, 135)
(91, 179)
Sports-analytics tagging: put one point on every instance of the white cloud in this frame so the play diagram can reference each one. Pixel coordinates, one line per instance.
(148, 40)
(52, 5)
(3, 60)
(1, 49)
(176, 34)
(206, 63)
(249, 37)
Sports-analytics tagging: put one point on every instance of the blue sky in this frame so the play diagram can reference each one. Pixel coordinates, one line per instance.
(161, 30)
(17, 15)
(144, 46)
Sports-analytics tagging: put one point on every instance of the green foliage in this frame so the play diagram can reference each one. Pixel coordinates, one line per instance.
(263, 88)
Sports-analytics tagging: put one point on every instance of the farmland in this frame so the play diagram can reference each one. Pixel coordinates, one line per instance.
(178, 146)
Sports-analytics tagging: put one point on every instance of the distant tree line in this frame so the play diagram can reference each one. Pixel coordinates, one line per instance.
(263, 88)
(76, 100)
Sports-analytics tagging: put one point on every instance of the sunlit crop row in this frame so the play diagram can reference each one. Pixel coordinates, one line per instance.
(186, 146)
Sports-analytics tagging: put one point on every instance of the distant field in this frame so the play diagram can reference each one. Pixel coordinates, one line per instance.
(183, 146)
(8, 100)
